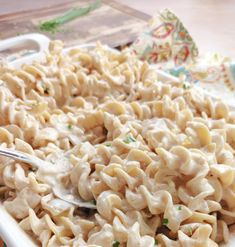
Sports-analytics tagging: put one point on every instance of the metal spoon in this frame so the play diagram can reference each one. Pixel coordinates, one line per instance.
(37, 163)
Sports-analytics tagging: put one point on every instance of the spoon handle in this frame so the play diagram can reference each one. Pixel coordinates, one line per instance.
(17, 155)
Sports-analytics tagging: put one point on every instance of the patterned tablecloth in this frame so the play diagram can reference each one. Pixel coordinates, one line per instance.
(167, 43)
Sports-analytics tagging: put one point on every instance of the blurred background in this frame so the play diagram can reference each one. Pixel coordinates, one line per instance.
(210, 22)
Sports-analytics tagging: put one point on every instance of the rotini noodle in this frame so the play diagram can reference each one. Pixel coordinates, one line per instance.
(155, 160)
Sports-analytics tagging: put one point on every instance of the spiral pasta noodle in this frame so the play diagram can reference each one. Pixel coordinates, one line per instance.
(155, 158)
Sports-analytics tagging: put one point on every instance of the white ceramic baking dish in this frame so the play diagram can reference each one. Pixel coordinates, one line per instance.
(10, 231)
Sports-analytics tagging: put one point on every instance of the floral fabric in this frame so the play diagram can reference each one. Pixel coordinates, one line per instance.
(167, 43)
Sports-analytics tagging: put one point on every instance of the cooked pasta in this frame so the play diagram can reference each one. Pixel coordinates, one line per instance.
(155, 158)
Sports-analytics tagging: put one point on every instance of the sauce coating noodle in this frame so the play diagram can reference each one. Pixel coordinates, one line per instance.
(156, 158)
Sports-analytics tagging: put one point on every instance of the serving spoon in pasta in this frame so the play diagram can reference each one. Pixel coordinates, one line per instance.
(50, 171)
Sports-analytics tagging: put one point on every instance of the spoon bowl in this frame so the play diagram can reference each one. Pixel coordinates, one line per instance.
(53, 169)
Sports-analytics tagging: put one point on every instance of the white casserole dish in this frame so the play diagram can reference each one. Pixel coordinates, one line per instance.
(10, 231)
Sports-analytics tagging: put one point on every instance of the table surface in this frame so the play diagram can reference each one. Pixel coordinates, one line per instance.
(210, 22)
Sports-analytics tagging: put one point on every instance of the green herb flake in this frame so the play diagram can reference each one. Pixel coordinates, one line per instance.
(165, 221)
(108, 144)
(180, 208)
(93, 201)
(156, 242)
(186, 86)
(190, 230)
(45, 89)
(128, 139)
(53, 25)
(116, 243)
(70, 126)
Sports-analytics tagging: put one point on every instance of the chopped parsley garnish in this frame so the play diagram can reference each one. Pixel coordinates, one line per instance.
(156, 242)
(108, 144)
(116, 243)
(70, 126)
(128, 139)
(165, 221)
(53, 24)
(46, 90)
(180, 208)
(186, 85)
(93, 202)
(190, 230)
